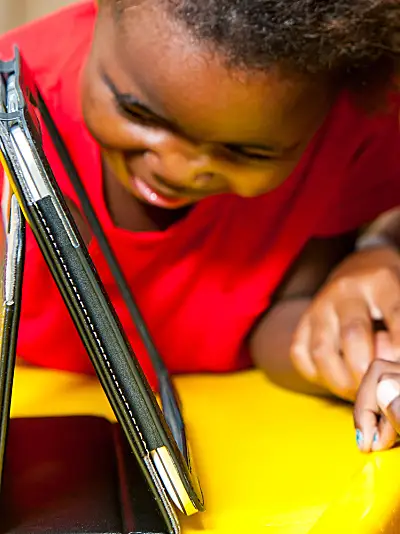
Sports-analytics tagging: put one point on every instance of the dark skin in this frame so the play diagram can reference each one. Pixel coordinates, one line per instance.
(338, 336)
(188, 128)
(336, 341)
(274, 334)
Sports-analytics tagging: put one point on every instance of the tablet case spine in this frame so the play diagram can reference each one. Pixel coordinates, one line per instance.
(13, 264)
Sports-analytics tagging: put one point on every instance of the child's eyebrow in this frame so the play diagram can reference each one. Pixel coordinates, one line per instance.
(128, 100)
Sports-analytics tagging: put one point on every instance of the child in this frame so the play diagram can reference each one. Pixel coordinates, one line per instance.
(225, 146)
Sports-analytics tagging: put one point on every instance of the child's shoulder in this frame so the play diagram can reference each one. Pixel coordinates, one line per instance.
(49, 43)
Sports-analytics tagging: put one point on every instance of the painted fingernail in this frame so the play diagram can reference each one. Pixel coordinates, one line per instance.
(359, 439)
(375, 439)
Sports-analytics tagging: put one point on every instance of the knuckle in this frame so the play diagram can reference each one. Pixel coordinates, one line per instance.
(378, 368)
(395, 309)
(296, 353)
(386, 275)
(355, 327)
(319, 352)
(342, 284)
(299, 351)
(296, 341)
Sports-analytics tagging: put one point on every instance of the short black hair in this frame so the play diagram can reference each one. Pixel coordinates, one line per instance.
(359, 39)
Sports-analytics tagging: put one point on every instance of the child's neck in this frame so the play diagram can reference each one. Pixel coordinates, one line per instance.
(129, 213)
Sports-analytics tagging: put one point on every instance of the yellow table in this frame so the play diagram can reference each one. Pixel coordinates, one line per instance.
(269, 460)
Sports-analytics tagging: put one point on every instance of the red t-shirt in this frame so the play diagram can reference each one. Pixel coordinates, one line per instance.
(202, 283)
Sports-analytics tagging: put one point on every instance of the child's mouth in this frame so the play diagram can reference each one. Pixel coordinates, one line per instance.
(151, 196)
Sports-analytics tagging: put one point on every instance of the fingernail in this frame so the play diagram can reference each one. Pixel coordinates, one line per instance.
(359, 439)
(375, 442)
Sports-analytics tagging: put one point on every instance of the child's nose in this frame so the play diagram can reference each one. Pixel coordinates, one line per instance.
(190, 166)
(190, 169)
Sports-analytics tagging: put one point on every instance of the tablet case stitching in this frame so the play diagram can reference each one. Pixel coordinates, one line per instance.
(93, 330)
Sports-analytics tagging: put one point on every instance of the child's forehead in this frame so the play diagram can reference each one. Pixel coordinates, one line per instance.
(152, 42)
(158, 63)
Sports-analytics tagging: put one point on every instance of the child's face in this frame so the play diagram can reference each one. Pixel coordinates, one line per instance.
(176, 125)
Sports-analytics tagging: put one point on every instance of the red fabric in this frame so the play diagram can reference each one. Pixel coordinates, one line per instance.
(202, 283)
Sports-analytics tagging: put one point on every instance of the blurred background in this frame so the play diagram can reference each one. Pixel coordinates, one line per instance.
(16, 12)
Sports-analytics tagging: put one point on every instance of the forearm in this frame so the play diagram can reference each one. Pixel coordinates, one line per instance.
(270, 346)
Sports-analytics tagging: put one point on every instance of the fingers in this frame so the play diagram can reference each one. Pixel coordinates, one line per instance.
(386, 436)
(377, 407)
(366, 410)
(300, 352)
(384, 294)
(388, 398)
(334, 344)
(356, 335)
(315, 355)
(331, 367)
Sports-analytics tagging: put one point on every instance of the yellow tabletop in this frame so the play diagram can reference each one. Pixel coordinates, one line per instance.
(268, 459)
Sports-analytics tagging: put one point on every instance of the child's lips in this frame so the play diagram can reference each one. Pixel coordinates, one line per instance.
(156, 198)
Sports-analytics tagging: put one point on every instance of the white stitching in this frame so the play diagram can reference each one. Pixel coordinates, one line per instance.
(93, 330)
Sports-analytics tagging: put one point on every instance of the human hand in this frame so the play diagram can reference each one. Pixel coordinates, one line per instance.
(334, 343)
(377, 408)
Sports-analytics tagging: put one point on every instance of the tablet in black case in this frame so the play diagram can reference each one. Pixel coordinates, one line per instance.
(160, 448)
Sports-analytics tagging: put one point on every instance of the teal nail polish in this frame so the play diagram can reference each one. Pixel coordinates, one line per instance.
(359, 439)
(375, 438)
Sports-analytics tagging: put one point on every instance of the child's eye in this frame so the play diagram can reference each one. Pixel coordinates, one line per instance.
(139, 115)
(251, 153)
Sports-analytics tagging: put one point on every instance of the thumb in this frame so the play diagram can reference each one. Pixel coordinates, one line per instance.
(388, 399)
